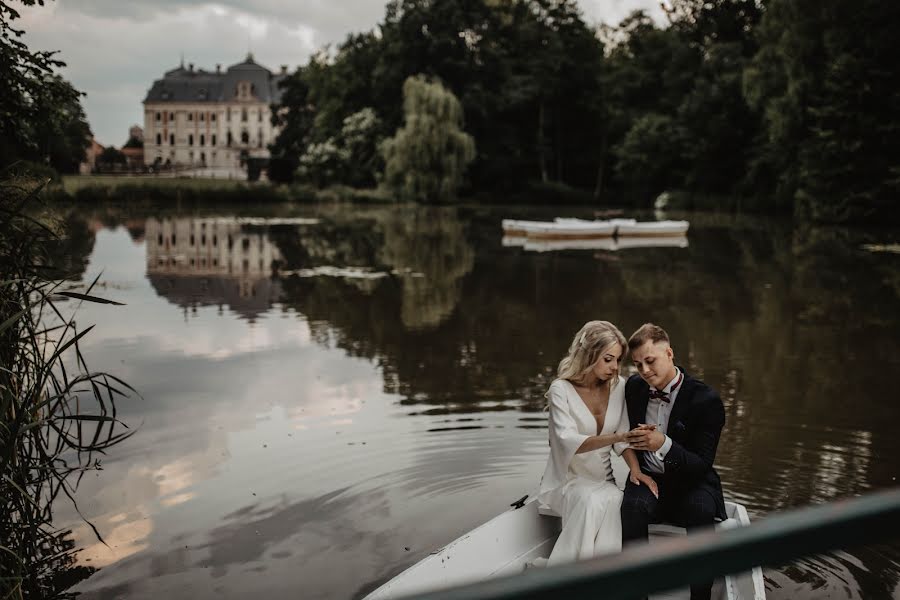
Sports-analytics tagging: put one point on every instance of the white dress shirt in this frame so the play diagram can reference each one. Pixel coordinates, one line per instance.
(658, 412)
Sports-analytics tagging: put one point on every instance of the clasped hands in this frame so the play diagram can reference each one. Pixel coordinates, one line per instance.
(644, 437)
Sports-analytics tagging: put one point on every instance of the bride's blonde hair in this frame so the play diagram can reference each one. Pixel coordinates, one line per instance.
(590, 340)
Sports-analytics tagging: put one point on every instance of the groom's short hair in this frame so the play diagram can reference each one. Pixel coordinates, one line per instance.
(647, 331)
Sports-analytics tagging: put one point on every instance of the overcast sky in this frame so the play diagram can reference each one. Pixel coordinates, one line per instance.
(116, 48)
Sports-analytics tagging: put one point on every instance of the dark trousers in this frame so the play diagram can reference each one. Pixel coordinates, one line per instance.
(693, 509)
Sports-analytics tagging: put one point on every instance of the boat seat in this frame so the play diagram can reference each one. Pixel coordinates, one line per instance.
(662, 529)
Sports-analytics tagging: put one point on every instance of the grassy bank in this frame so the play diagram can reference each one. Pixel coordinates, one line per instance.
(89, 189)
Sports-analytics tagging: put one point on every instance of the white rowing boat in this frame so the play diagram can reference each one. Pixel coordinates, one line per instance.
(653, 228)
(616, 222)
(508, 543)
(566, 229)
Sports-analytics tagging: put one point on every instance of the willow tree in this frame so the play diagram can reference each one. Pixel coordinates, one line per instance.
(426, 159)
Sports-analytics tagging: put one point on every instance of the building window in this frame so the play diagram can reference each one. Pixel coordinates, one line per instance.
(244, 90)
(213, 141)
(259, 115)
(192, 239)
(190, 116)
(159, 139)
(159, 116)
(244, 115)
(260, 139)
(202, 117)
(202, 139)
(190, 139)
(212, 117)
(245, 137)
(171, 116)
(228, 141)
(171, 139)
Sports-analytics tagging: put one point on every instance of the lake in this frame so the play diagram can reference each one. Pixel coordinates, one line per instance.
(329, 393)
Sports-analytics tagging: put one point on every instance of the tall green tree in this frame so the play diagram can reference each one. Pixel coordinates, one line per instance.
(825, 79)
(647, 73)
(426, 160)
(41, 116)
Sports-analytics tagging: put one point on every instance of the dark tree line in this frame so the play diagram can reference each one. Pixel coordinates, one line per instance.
(777, 105)
(41, 117)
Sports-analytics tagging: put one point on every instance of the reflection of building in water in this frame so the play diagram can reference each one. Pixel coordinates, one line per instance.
(200, 262)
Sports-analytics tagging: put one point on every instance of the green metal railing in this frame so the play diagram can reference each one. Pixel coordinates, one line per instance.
(676, 562)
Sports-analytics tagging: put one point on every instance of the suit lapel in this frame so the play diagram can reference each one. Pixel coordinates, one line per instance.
(682, 403)
(641, 400)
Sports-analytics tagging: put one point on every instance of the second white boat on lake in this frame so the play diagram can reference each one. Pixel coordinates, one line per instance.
(570, 228)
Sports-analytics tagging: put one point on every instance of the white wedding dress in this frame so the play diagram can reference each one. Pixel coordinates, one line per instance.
(581, 487)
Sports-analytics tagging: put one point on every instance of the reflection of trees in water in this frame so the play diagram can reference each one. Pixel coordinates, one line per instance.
(424, 247)
(430, 246)
(70, 251)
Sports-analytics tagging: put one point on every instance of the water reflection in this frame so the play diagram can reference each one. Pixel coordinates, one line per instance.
(609, 244)
(363, 369)
(212, 261)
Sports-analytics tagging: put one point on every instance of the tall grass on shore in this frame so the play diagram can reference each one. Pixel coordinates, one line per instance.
(57, 416)
(86, 189)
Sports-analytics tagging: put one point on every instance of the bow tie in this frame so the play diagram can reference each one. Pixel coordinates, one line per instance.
(658, 395)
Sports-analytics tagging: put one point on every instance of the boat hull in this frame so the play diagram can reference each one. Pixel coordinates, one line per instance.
(653, 229)
(508, 543)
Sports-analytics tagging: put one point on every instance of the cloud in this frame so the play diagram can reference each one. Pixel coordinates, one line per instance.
(612, 12)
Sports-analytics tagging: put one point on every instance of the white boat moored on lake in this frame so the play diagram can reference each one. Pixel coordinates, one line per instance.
(653, 228)
(569, 228)
(558, 231)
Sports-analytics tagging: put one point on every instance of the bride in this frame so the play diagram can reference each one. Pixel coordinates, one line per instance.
(588, 418)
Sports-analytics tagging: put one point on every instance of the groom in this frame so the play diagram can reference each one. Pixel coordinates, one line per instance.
(675, 425)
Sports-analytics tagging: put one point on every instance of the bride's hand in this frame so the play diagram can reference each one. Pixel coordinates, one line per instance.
(638, 478)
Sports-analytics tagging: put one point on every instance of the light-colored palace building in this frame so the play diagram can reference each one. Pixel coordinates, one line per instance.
(214, 119)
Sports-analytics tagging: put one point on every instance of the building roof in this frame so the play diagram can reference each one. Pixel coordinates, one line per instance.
(190, 85)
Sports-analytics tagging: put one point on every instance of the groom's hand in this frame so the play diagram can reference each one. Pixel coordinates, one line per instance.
(645, 437)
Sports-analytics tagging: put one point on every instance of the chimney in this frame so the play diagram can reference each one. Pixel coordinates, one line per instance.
(284, 69)
(218, 68)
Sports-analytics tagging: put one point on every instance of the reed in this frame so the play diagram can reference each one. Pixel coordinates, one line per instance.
(57, 416)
